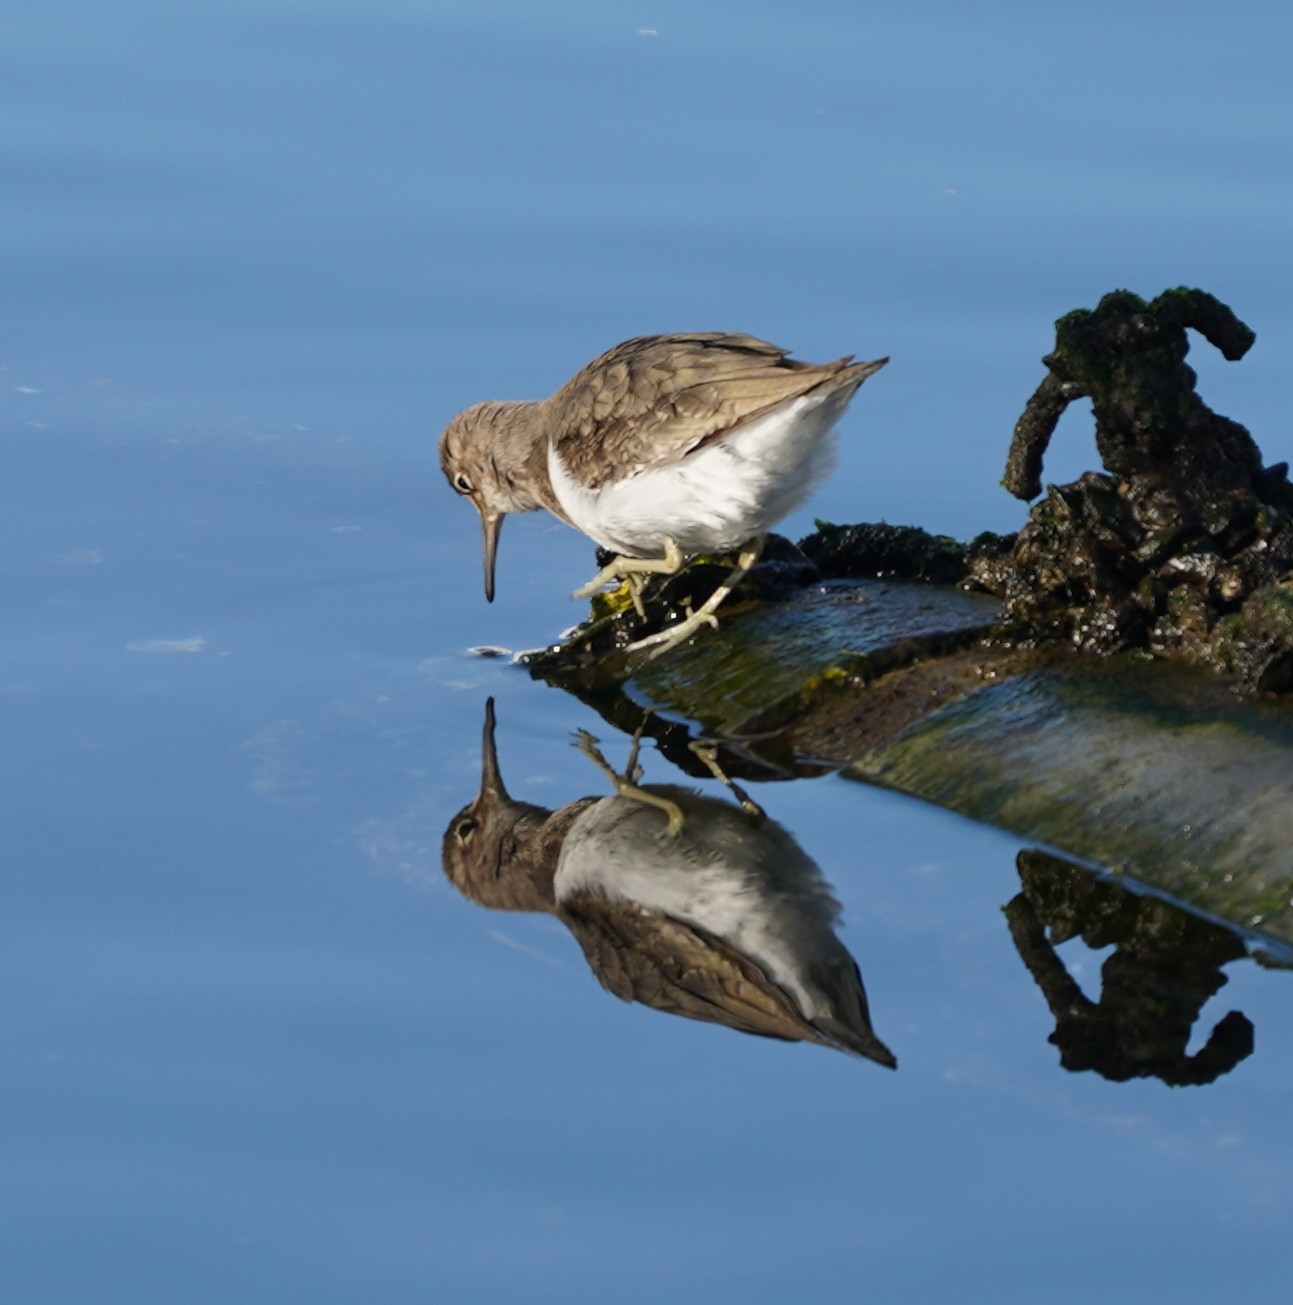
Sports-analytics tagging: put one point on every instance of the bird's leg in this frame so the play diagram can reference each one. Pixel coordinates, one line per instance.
(637, 583)
(620, 568)
(708, 753)
(624, 785)
(662, 642)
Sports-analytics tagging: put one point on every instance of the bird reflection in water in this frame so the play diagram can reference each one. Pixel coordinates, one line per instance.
(689, 904)
(1165, 966)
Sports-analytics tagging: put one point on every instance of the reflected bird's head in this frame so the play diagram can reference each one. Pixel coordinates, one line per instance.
(486, 840)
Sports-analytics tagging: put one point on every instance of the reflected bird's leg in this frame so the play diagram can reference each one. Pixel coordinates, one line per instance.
(707, 751)
(624, 784)
(632, 771)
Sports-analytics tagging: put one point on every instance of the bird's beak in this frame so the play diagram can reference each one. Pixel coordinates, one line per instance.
(490, 523)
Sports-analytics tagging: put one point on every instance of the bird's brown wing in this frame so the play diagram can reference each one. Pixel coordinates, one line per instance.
(652, 400)
(648, 957)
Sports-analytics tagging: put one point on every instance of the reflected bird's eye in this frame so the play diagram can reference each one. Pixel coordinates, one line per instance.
(462, 483)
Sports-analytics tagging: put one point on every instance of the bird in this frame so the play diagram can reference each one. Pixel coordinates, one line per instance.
(664, 447)
(685, 903)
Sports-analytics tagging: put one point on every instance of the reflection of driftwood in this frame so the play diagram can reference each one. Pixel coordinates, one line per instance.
(726, 920)
(1166, 965)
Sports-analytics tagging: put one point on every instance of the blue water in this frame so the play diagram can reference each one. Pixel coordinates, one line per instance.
(255, 1047)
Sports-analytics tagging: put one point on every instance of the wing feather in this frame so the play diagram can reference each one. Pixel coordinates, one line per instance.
(654, 399)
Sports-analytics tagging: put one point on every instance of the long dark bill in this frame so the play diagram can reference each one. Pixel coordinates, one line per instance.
(490, 526)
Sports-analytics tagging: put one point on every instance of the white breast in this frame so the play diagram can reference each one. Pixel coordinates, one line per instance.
(719, 497)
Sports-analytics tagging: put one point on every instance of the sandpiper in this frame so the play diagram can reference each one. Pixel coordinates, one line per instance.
(664, 447)
(682, 902)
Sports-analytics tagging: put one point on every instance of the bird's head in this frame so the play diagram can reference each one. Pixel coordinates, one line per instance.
(483, 454)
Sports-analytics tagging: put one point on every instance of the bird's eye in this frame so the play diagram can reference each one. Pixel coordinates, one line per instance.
(462, 483)
(464, 829)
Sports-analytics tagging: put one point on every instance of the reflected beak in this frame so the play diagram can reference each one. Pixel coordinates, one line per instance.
(490, 524)
(491, 780)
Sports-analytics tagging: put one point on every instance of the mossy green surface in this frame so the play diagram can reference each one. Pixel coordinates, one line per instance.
(1164, 775)
(760, 664)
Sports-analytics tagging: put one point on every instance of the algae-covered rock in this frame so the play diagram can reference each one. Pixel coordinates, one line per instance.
(884, 552)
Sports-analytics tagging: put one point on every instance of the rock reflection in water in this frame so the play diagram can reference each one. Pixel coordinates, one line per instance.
(727, 921)
(1166, 965)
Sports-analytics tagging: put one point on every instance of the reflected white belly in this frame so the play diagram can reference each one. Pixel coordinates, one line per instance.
(749, 884)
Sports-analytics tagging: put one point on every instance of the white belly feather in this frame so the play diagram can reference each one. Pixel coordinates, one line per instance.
(718, 498)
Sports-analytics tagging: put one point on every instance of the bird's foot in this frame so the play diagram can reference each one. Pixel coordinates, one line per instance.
(661, 642)
(625, 786)
(634, 569)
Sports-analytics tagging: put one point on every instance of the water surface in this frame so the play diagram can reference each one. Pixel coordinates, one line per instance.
(257, 1047)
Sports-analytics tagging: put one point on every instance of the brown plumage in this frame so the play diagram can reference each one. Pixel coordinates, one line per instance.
(658, 398)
